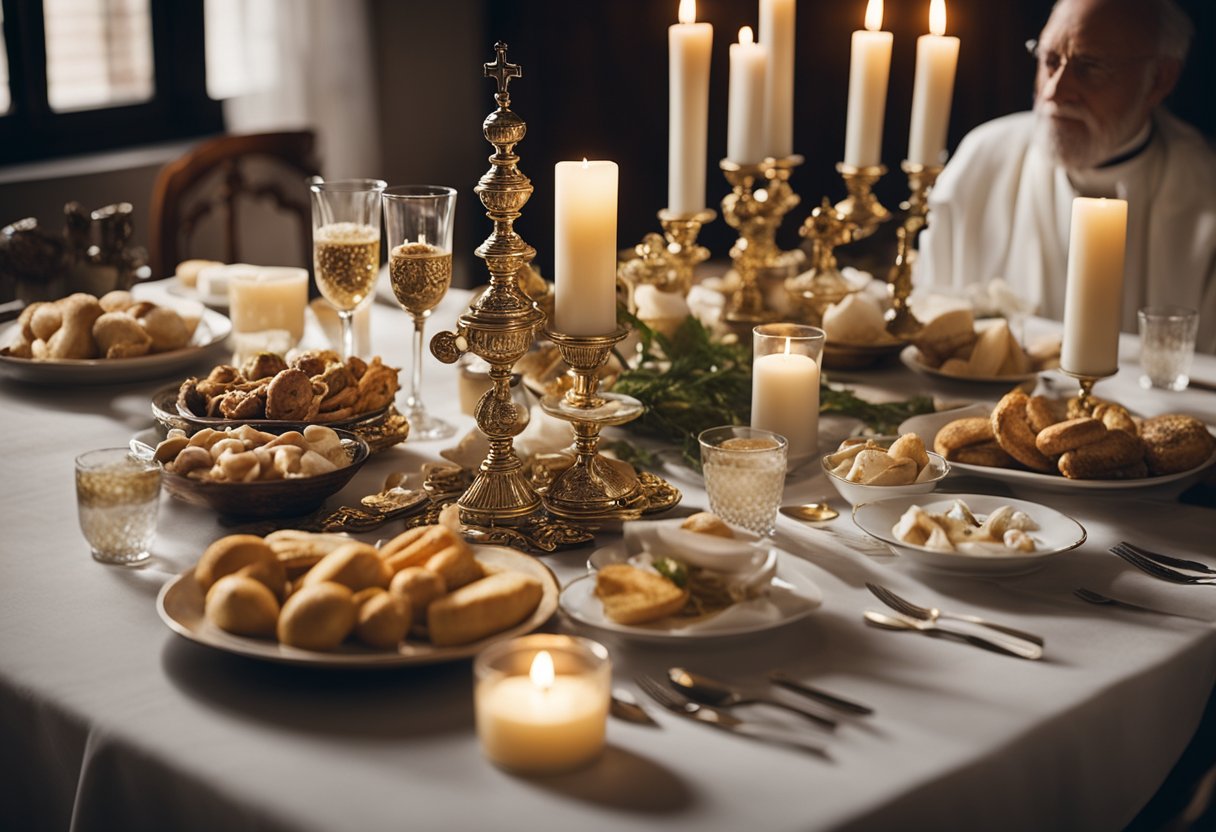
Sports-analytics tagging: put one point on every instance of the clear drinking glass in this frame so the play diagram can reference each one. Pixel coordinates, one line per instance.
(744, 475)
(346, 245)
(117, 495)
(418, 220)
(1167, 345)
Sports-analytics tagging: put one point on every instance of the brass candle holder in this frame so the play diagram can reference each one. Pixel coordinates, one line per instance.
(760, 198)
(667, 262)
(594, 487)
(502, 324)
(813, 291)
(900, 321)
(1085, 401)
(861, 207)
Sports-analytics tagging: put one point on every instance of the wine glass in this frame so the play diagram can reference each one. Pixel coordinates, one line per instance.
(418, 219)
(346, 245)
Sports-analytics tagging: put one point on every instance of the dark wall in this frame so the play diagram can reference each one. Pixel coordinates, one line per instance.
(595, 85)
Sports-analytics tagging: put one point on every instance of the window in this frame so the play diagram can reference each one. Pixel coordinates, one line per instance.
(79, 76)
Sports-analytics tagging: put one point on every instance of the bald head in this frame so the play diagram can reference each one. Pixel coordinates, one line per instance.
(1161, 26)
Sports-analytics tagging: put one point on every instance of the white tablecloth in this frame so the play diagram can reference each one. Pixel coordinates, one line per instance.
(111, 721)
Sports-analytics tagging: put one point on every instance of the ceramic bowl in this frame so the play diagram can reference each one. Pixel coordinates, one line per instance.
(856, 493)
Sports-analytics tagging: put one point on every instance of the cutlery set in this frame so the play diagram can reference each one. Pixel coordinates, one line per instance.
(1165, 567)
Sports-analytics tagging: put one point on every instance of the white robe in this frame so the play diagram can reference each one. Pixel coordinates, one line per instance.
(1001, 208)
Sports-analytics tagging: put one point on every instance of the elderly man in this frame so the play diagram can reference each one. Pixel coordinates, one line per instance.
(1001, 208)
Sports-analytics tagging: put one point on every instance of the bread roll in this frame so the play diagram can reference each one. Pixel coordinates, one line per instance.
(418, 587)
(355, 565)
(227, 555)
(456, 565)
(1069, 435)
(270, 574)
(382, 619)
(705, 522)
(962, 433)
(240, 605)
(481, 608)
(991, 349)
(1011, 427)
(945, 335)
(1175, 442)
(636, 596)
(910, 446)
(1111, 457)
(317, 617)
(414, 547)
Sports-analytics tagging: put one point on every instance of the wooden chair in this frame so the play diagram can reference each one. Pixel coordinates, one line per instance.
(210, 179)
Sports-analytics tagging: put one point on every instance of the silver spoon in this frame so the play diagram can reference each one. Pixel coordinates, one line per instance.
(811, 512)
(713, 692)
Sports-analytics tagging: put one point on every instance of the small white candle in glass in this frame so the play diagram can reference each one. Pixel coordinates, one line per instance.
(541, 703)
(785, 385)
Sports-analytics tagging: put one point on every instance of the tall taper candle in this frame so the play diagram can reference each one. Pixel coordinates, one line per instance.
(1093, 298)
(869, 70)
(584, 247)
(777, 24)
(936, 62)
(688, 45)
(745, 113)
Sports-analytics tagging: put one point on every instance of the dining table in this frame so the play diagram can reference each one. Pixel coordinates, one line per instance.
(110, 720)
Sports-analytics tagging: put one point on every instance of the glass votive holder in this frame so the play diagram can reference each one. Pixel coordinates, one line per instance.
(744, 475)
(117, 495)
(541, 702)
(785, 385)
(1167, 346)
(267, 309)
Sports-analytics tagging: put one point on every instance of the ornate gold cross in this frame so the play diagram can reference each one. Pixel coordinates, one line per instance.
(502, 72)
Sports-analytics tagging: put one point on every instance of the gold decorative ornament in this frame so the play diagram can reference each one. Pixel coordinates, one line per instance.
(813, 291)
(861, 207)
(900, 321)
(668, 261)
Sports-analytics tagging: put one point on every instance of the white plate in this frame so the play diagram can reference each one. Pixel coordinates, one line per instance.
(212, 329)
(1057, 533)
(927, 425)
(792, 596)
(174, 286)
(180, 606)
(910, 356)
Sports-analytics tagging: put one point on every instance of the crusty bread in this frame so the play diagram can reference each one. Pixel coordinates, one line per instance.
(457, 566)
(1011, 427)
(241, 605)
(1056, 439)
(635, 596)
(1175, 442)
(945, 335)
(355, 565)
(227, 555)
(992, 348)
(420, 587)
(317, 617)
(962, 433)
(382, 619)
(414, 547)
(705, 522)
(481, 608)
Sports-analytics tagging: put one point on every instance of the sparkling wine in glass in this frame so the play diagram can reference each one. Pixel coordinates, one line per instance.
(419, 222)
(346, 246)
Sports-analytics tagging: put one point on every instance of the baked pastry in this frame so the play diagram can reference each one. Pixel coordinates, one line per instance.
(636, 596)
(419, 587)
(317, 617)
(354, 565)
(1175, 442)
(483, 607)
(705, 522)
(187, 271)
(299, 551)
(456, 565)
(963, 433)
(1012, 430)
(1042, 412)
(1111, 457)
(270, 574)
(240, 605)
(227, 555)
(414, 547)
(874, 466)
(1068, 436)
(1115, 417)
(382, 619)
(942, 337)
(985, 453)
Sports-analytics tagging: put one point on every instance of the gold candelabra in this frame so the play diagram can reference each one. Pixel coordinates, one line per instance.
(667, 261)
(760, 198)
(861, 208)
(822, 284)
(900, 321)
(501, 325)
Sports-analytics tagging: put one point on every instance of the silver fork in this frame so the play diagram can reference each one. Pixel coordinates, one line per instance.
(1168, 560)
(1157, 570)
(677, 704)
(1091, 597)
(901, 604)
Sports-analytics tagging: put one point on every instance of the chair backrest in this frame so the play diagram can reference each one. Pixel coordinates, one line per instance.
(207, 183)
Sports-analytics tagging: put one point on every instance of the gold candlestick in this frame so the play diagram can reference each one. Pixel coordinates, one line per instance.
(760, 198)
(667, 262)
(1085, 402)
(813, 291)
(594, 487)
(502, 324)
(900, 321)
(861, 207)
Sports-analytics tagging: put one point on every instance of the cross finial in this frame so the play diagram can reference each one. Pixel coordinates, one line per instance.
(502, 72)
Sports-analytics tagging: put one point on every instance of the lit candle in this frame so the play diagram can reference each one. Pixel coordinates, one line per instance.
(1093, 298)
(869, 69)
(267, 308)
(777, 23)
(584, 246)
(936, 61)
(688, 44)
(785, 385)
(543, 722)
(745, 111)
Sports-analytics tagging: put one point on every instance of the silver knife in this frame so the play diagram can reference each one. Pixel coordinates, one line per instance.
(1012, 647)
(777, 677)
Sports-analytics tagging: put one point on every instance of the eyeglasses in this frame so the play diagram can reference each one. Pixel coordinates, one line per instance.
(1090, 72)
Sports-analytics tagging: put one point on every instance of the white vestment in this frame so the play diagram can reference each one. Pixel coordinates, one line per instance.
(1002, 206)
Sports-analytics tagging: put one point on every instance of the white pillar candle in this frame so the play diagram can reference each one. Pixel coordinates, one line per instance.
(869, 70)
(785, 399)
(584, 246)
(777, 24)
(936, 62)
(267, 308)
(688, 45)
(541, 723)
(1093, 298)
(745, 111)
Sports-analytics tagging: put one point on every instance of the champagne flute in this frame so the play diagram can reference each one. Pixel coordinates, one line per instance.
(346, 245)
(419, 223)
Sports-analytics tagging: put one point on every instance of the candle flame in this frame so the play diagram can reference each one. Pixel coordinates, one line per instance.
(585, 163)
(746, 36)
(688, 11)
(937, 17)
(541, 671)
(874, 15)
